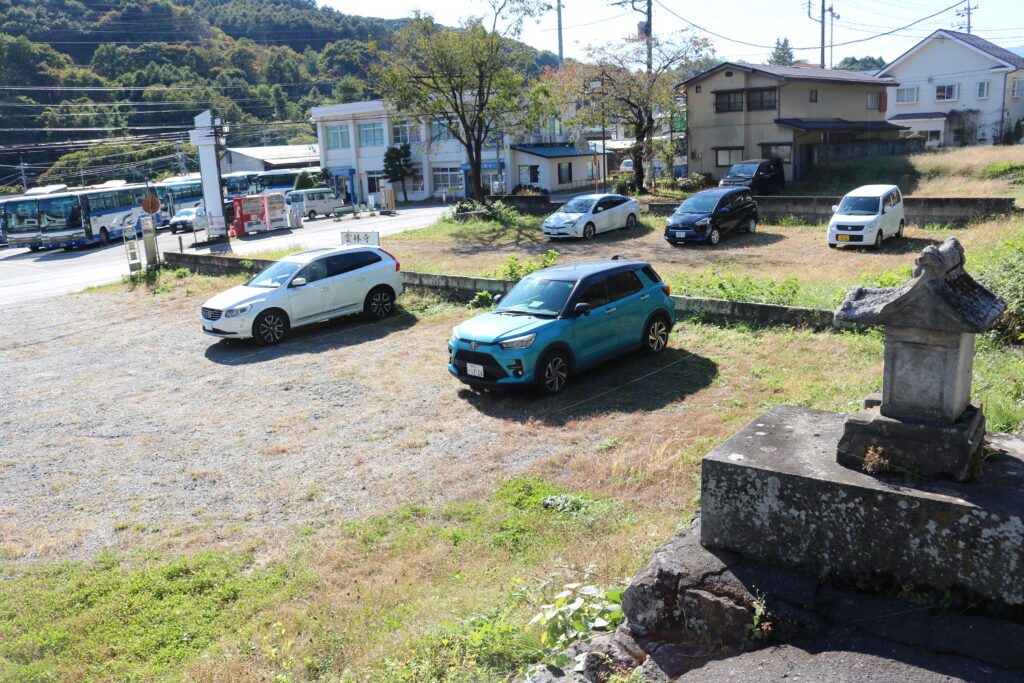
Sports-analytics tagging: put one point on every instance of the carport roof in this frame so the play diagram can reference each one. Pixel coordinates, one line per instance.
(805, 125)
(552, 151)
(919, 116)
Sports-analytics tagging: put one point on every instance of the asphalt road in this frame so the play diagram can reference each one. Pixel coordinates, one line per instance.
(26, 275)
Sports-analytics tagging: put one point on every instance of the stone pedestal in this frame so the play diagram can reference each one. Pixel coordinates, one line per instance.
(879, 444)
(774, 491)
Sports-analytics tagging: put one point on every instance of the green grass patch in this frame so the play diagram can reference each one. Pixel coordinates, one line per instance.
(1003, 169)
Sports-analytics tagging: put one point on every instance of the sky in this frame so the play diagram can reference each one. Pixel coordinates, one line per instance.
(755, 22)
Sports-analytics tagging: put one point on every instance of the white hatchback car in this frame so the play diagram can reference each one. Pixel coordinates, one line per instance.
(305, 288)
(868, 215)
(589, 214)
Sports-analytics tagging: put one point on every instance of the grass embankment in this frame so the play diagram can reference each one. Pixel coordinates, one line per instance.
(979, 171)
(443, 592)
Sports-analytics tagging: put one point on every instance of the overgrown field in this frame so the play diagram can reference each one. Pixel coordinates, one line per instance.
(573, 490)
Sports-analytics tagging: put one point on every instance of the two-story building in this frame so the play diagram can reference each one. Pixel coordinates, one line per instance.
(956, 89)
(353, 138)
(797, 114)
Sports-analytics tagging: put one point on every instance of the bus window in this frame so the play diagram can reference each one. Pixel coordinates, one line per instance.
(22, 216)
(54, 213)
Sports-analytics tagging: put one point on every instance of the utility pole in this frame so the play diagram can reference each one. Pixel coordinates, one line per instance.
(832, 37)
(558, 11)
(24, 178)
(822, 34)
(966, 13)
(182, 168)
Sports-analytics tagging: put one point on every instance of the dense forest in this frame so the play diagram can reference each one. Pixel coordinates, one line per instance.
(76, 74)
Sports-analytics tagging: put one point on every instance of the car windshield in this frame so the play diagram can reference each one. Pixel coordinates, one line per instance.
(578, 205)
(536, 296)
(742, 171)
(185, 213)
(275, 275)
(698, 203)
(859, 206)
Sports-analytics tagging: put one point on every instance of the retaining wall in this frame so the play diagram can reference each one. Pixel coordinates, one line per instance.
(212, 264)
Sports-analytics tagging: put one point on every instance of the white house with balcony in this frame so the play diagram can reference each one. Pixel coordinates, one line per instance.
(353, 138)
(956, 89)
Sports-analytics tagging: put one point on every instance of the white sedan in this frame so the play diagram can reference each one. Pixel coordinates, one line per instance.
(589, 214)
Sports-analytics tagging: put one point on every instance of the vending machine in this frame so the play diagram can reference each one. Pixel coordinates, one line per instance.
(259, 213)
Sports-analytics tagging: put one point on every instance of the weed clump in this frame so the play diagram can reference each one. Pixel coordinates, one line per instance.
(875, 461)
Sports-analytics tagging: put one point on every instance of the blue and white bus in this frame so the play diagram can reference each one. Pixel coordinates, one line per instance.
(73, 218)
(239, 183)
(179, 192)
(282, 180)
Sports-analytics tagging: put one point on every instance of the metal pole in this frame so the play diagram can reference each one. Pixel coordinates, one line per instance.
(604, 153)
(558, 11)
(822, 34)
(24, 178)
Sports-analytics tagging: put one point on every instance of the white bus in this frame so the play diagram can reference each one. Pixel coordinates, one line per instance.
(239, 183)
(179, 192)
(282, 180)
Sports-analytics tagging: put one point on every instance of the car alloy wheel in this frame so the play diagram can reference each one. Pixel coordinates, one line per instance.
(655, 336)
(899, 233)
(311, 215)
(630, 221)
(379, 303)
(270, 328)
(588, 231)
(878, 239)
(553, 373)
(715, 237)
(751, 225)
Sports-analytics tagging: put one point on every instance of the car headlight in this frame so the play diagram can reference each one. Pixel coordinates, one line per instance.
(870, 226)
(455, 333)
(234, 312)
(702, 222)
(518, 342)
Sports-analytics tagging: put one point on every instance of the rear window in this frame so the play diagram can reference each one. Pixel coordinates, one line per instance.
(651, 274)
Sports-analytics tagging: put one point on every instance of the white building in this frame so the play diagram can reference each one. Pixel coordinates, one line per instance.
(353, 138)
(956, 89)
(268, 158)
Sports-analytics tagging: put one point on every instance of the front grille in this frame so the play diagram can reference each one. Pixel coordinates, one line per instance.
(212, 313)
(492, 371)
(849, 228)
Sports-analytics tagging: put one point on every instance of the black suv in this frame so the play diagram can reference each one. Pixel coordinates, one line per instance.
(762, 176)
(708, 215)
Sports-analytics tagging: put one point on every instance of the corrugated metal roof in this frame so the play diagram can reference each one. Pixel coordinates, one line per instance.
(276, 154)
(797, 73)
(987, 47)
(836, 124)
(552, 151)
(921, 116)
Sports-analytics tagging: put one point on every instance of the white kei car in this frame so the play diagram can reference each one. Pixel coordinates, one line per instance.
(589, 214)
(305, 288)
(868, 215)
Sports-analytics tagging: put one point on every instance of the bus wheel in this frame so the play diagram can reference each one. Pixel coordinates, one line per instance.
(68, 247)
(32, 247)
(104, 237)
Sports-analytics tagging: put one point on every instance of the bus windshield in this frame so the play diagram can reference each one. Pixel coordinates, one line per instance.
(59, 213)
(22, 216)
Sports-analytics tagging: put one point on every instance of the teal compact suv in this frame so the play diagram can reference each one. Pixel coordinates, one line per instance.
(560, 320)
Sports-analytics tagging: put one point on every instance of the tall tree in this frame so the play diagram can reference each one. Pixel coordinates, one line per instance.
(782, 55)
(398, 165)
(467, 81)
(861, 64)
(613, 84)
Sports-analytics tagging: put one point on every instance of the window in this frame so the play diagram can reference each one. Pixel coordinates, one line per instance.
(934, 135)
(371, 134)
(906, 95)
(1017, 89)
(374, 181)
(947, 93)
(813, 95)
(697, 89)
(403, 132)
(347, 262)
(728, 101)
(529, 174)
(414, 183)
(439, 133)
(781, 151)
(761, 99)
(596, 294)
(590, 170)
(874, 101)
(651, 274)
(624, 284)
(982, 90)
(337, 137)
(445, 178)
(728, 156)
(565, 173)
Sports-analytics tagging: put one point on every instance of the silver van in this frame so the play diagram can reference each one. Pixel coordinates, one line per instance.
(317, 200)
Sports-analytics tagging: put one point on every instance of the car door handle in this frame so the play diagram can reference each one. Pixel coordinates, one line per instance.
(645, 297)
(610, 310)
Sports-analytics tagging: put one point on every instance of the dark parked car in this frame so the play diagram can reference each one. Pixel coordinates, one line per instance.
(708, 215)
(762, 176)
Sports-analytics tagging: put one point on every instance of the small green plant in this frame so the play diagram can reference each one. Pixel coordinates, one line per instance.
(527, 493)
(607, 445)
(716, 285)
(574, 612)
(570, 505)
(623, 183)
(182, 273)
(498, 211)
(761, 627)
(791, 221)
(875, 461)
(938, 227)
(1002, 169)
(246, 264)
(515, 268)
(482, 300)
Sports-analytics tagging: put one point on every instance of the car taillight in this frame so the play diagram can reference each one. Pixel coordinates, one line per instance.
(666, 288)
(398, 266)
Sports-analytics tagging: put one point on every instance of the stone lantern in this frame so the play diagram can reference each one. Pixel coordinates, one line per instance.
(924, 421)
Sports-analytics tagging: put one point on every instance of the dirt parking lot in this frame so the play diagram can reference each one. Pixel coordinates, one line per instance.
(126, 427)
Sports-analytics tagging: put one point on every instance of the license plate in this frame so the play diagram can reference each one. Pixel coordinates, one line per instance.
(843, 238)
(474, 370)
(680, 233)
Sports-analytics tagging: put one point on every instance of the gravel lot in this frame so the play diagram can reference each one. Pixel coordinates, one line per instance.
(126, 427)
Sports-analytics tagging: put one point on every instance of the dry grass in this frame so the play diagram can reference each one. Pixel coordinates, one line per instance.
(966, 186)
(966, 161)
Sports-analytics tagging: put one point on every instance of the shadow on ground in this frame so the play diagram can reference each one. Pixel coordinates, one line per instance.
(631, 383)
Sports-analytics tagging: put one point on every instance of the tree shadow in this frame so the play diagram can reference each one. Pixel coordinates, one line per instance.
(901, 245)
(630, 383)
(316, 338)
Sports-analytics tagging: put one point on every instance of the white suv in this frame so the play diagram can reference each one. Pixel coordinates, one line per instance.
(305, 288)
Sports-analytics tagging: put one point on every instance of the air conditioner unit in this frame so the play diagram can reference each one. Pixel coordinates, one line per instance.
(535, 139)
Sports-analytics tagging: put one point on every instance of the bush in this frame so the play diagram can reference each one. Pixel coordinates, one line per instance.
(715, 285)
(515, 268)
(529, 190)
(498, 211)
(695, 181)
(1014, 170)
(1002, 271)
(623, 183)
(482, 300)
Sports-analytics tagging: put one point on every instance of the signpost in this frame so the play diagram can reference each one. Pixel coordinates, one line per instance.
(131, 245)
(350, 238)
(149, 241)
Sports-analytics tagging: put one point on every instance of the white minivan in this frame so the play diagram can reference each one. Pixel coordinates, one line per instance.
(317, 200)
(868, 215)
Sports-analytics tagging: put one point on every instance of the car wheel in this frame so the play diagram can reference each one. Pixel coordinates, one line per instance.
(270, 327)
(715, 237)
(588, 231)
(104, 237)
(750, 225)
(878, 239)
(832, 246)
(630, 221)
(379, 303)
(552, 373)
(899, 233)
(311, 215)
(655, 335)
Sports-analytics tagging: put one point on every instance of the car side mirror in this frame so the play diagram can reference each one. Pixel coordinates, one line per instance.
(835, 207)
(497, 298)
(581, 309)
(298, 282)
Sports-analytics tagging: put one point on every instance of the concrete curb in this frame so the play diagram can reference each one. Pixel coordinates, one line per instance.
(463, 287)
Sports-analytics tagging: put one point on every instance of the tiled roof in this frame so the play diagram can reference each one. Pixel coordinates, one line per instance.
(990, 48)
(836, 124)
(920, 116)
(797, 73)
